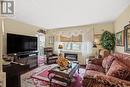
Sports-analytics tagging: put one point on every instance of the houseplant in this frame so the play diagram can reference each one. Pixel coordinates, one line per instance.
(108, 41)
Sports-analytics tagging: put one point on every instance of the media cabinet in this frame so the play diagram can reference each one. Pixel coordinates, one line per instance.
(13, 72)
(23, 62)
(27, 58)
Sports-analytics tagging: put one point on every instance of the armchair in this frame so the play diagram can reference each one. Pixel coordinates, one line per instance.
(50, 56)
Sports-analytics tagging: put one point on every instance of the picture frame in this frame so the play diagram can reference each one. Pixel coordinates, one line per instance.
(127, 38)
(120, 38)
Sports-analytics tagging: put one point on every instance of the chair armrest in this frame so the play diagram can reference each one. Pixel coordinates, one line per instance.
(112, 80)
(96, 61)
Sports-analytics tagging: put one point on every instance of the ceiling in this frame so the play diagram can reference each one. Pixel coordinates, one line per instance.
(52, 14)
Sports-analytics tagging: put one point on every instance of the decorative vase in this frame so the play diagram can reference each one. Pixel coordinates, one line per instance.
(62, 62)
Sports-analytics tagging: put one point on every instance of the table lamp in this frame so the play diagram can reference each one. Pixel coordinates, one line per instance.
(60, 47)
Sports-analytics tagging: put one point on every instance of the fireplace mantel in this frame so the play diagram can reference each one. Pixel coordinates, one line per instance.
(71, 56)
(71, 51)
(80, 58)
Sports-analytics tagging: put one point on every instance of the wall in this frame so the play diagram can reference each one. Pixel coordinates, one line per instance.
(120, 22)
(2, 74)
(98, 29)
(17, 27)
(86, 31)
(0, 45)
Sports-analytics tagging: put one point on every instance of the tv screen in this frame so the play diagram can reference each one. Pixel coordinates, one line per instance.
(20, 43)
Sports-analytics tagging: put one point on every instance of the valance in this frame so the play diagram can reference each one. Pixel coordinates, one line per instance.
(71, 39)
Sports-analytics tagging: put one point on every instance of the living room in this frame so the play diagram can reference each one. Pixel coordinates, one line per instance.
(87, 39)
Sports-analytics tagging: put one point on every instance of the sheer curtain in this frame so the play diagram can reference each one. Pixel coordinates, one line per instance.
(87, 43)
(41, 44)
(56, 44)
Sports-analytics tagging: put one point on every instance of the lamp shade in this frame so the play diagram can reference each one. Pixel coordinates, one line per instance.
(60, 46)
(94, 45)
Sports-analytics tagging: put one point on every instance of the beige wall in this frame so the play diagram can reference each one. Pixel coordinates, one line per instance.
(86, 31)
(98, 29)
(17, 27)
(120, 22)
(0, 45)
(2, 74)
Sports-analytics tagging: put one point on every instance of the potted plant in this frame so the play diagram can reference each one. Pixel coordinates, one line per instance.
(108, 41)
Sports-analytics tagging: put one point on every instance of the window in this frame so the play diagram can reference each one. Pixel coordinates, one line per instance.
(72, 46)
(41, 44)
(76, 45)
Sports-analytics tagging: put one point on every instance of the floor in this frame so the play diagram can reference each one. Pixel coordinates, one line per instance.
(27, 81)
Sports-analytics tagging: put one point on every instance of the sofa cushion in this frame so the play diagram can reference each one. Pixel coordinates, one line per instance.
(94, 67)
(104, 53)
(118, 70)
(107, 61)
(96, 61)
(91, 73)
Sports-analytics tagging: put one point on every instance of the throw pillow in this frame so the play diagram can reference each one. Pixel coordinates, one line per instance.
(107, 61)
(118, 70)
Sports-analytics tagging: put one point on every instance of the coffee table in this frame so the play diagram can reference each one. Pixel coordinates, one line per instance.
(65, 75)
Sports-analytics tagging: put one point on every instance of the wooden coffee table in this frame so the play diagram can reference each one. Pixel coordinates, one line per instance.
(65, 75)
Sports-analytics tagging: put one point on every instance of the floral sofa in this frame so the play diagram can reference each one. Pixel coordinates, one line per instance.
(111, 71)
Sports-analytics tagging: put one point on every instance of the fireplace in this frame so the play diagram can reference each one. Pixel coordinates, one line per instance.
(71, 56)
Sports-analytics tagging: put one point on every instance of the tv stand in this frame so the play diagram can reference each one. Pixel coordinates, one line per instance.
(13, 72)
(27, 58)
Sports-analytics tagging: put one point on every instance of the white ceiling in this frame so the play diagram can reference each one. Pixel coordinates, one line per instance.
(64, 13)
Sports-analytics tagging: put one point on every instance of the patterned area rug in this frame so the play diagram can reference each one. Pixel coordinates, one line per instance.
(38, 78)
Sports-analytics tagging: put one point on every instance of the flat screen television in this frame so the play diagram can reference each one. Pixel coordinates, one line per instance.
(20, 43)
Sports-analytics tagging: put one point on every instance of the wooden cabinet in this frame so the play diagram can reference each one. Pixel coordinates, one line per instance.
(2, 79)
(28, 58)
(13, 72)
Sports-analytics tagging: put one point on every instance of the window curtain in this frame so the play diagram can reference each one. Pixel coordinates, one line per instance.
(56, 44)
(73, 38)
(87, 43)
(85, 37)
(41, 43)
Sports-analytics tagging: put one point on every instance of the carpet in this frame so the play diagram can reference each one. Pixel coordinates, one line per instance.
(38, 78)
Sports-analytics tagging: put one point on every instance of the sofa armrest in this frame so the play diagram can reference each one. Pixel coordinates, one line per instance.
(96, 61)
(112, 80)
(94, 67)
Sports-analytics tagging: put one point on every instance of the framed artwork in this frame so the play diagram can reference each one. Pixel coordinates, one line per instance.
(120, 38)
(127, 38)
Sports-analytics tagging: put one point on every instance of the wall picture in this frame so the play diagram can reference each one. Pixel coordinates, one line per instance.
(120, 38)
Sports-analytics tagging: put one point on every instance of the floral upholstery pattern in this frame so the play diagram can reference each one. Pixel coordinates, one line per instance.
(118, 70)
(96, 61)
(107, 62)
(94, 67)
(99, 79)
(91, 73)
(116, 82)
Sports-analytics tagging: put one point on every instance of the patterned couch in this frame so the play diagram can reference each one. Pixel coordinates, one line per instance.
(112, 71)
